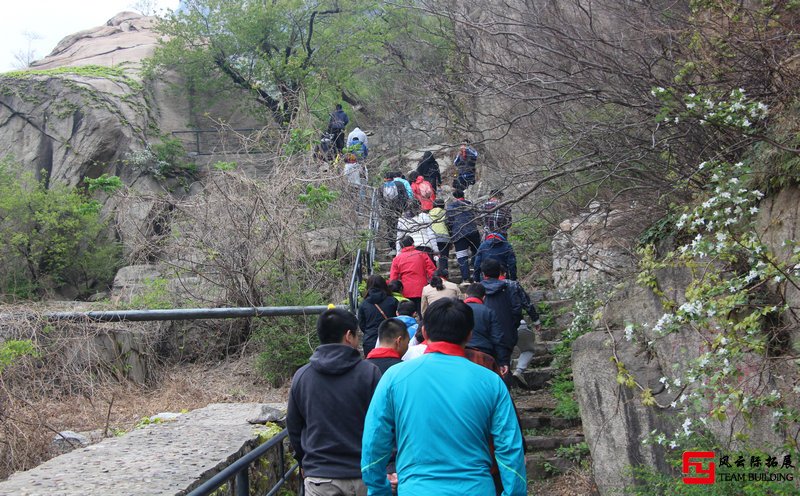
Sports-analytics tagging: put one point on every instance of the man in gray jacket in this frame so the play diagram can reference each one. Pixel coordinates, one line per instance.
(328, 402)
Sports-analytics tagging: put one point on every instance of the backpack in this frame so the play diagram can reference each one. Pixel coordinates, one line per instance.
(389, 191)
(425, 190)
(394, 195)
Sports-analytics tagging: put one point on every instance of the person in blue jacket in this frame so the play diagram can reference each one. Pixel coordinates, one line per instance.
(496, 246)
(440, 411)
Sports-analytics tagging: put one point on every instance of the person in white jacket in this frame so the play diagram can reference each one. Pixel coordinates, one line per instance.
(357, 133)
(418, 225)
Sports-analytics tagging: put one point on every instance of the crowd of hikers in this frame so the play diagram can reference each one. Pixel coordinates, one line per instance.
(426, 409)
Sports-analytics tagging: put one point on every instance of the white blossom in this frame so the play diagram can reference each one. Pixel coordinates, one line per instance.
(686, 426)
(753, 210)
(629, 332)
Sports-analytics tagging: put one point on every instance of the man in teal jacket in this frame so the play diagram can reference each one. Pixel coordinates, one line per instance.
(440, 411)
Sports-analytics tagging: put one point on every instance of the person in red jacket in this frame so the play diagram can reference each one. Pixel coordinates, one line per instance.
(423, 191)
(413, 268)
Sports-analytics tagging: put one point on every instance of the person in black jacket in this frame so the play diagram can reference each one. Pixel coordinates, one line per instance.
(336, 126)
(379, 305)
(429, 169)
(328, 402)
(504, 300)
(487, 336)
(393, 342)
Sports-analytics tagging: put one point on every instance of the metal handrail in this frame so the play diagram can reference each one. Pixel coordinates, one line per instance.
(239, 468)
(353, 294)
(176, 313)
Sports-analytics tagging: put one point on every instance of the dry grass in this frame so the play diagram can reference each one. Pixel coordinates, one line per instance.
(578, 482)
(111, 408)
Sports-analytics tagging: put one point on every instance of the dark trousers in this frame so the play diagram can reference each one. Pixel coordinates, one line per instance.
(444, 253)
(338, 138)
(389, 226)
(466, 248)
(418, 303)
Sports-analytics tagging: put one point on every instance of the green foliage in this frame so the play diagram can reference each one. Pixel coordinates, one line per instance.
(300, 141)
(531, 240)
(163, 160)
(104, 183)
(156, 295)
(115, 73)
(563, 388)
(12, 349)
(317, 200)
(576, 452)
(224, 166)
(50, 238)
(286, 342)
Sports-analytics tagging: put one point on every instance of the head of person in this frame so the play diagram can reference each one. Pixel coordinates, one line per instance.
(396, 174)
(395, 286)
(406, 242)
(438, 203)
(338, 326)
(464, 144)
(338, 106)
(497, 193)
(376, 281)
(427, 155)
(491, 268)
(388, 176)
(393, 333)
(437, 280)
(407, 308)
(476, 290)
(449, 320)
(457, 193)
(412, 176)
(412, 209)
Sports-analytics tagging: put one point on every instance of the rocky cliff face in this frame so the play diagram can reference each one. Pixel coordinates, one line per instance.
(614, 418)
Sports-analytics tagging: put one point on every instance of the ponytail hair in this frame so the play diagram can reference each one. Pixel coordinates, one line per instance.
(436, 280)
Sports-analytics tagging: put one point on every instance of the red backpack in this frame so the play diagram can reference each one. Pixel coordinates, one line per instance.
(425, 190)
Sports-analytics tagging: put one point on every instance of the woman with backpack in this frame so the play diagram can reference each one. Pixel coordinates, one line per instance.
(378, 306)
(423, 191)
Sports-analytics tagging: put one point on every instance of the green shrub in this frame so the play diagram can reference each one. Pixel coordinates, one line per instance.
(286, 343)
(51, 236)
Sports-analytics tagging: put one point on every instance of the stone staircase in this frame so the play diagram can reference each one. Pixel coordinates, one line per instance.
(545, 432)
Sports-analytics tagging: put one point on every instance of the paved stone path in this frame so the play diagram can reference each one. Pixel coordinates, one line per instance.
(168, 458)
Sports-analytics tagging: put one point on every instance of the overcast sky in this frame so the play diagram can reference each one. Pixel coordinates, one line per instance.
(52, 20)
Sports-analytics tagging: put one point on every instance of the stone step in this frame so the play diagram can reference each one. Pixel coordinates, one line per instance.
(538, 378)
(545, 465)
(543, 443)
(538, 420)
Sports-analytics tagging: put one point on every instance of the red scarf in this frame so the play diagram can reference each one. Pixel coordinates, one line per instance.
(473, 299)
(445, 348)
(383, 353)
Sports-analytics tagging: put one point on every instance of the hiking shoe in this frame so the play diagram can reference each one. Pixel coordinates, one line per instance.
(520, 377)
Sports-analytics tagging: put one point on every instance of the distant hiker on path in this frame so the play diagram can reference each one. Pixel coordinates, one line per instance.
(496, 246)
(357, 133)
(393, 201)
(437, 215)
(423, 191)
(499, 220)
(429, 169)
(465, 164)
(337, 125)
(326, 444)
(413, 268)
(460, 218)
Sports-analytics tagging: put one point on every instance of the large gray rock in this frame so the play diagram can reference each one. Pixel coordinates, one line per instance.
(595, 246)
(614, 420)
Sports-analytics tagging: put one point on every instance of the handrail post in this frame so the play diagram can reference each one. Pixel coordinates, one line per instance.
(243, 482)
